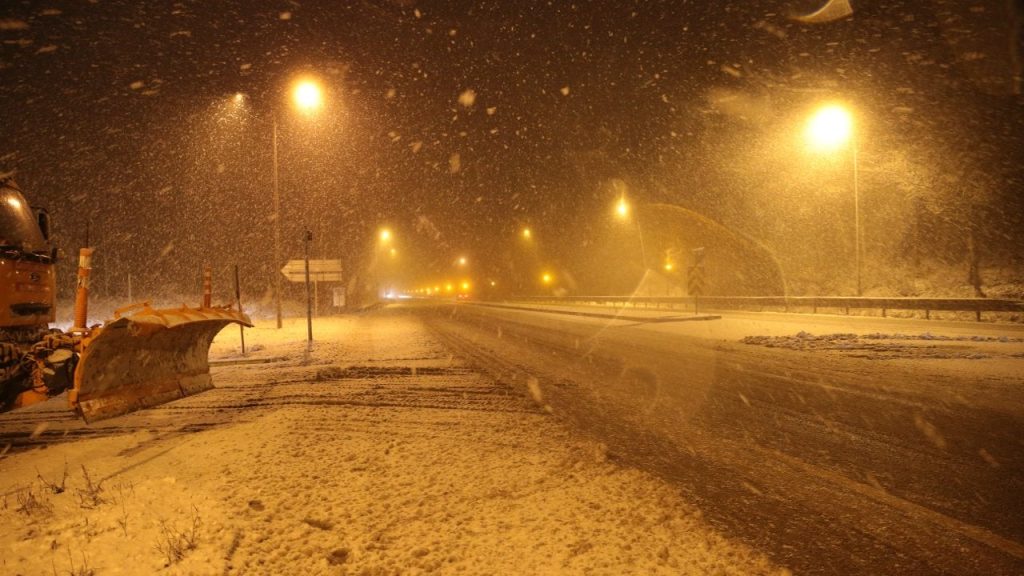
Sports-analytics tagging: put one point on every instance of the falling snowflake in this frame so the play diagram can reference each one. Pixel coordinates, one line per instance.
(9, 24)
(467, 98)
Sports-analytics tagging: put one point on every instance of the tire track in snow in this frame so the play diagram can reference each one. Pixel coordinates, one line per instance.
(739, 438)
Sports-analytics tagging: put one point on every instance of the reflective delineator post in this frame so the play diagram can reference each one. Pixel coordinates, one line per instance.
(82, 291)
(207, 287)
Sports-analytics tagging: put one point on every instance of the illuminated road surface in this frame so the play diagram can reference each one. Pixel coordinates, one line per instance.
(870, 455)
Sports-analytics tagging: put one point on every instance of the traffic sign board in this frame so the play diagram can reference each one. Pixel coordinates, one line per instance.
(695, 276)
(319, 271)
(695, 281)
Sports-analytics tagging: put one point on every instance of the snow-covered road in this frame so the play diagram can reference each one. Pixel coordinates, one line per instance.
(381, 453)
(838, 446)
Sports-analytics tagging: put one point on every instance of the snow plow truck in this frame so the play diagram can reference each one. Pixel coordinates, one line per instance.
(141, 358)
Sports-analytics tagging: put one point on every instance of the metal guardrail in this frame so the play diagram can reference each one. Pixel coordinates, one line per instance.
(794, 303)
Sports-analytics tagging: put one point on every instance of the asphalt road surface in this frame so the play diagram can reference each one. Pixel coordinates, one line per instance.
(878, 454)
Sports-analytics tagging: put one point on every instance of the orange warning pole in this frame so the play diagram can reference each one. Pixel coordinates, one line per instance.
(207, 287)
(82, 292)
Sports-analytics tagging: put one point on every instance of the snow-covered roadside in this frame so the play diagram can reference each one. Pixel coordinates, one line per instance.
(378, 455)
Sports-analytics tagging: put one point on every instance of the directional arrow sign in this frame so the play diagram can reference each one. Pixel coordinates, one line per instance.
(695, 281)
(319, 271)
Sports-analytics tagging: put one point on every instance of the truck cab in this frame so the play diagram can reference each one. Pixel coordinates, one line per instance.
(27, 279)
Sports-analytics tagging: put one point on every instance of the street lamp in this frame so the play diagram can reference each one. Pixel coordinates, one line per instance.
(622, 210)
(622, 207)
(307, 98)
(381, 266)
(829, 129)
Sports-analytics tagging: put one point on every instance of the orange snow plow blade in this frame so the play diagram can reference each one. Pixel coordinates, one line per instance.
(150, 358)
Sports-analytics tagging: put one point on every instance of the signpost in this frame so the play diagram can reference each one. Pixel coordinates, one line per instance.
(695, 278)
(311, 271)
(338, 297)
(319, 271)
(308, 238)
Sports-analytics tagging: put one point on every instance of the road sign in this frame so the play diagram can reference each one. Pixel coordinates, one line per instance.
(695, 281)
(695, 275)
(319, 271)
(338, 297)
(695, 278)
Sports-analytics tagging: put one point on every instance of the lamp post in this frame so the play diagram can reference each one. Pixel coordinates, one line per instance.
(828, 129)
(307, 97)
(277, 231)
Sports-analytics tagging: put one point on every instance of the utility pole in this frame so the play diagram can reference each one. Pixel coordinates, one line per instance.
(277, 232)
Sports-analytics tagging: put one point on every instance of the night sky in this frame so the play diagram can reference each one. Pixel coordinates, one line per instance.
(455, 123)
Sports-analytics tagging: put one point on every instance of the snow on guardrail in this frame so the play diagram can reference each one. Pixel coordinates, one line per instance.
(797, 303)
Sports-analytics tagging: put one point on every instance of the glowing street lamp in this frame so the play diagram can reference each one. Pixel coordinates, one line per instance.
(461, 261)
(829, 129)
(527, 234)
(385, 235)
(622, 210)
(307, 97)
(622, 207)
(546, 278)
